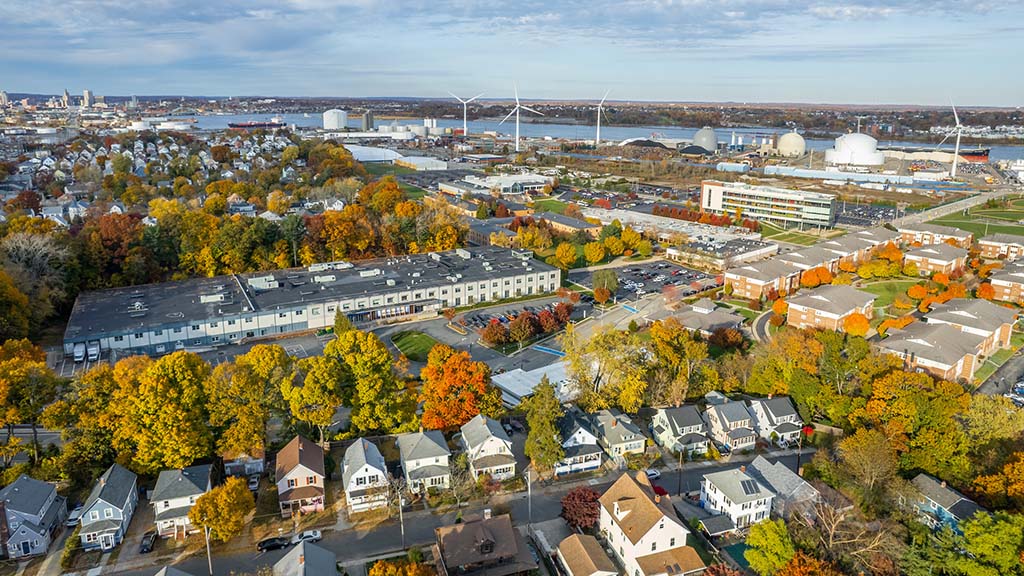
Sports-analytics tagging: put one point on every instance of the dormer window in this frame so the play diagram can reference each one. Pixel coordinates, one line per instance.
(486, 547)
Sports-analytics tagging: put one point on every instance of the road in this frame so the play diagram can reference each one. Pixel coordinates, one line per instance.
(352, 546)
(759, 327)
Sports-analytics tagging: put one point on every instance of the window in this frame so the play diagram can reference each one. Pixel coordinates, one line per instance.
(282, 315)
(654, 546)
(361, 481)
(298, 312)
(231, 322)
(671, 542)
(108, 513)
(118, 338)
(177, 330)
(167, 504)
(195, 326)
(95, 515)
(138, 334)
(291, 482)
(157, 332)
(213, 324)
(90, 537)
(316, 311)
(310, 480)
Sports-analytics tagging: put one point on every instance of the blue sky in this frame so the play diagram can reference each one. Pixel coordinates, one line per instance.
(870, 51)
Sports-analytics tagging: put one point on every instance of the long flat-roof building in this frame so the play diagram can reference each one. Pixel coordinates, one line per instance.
(205, 312)
(768, 203)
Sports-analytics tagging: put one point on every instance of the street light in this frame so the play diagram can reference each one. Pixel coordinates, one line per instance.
(529, 499)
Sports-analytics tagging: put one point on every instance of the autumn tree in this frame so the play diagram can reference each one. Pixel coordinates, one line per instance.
(565, 256)
(580, 507)
(683, 366)
(161, 409)
(780, 307)
(789, 357)
(722, 570)
(495, 333)
(608, 369)
(769, 547)
(986, 291)
(319, 395)
(804, 565)
(522, 328)
(870, 459)
(85, 422)
(594, 252)
(455, 389)
(27, 386)
(605, 278)
(889, 252)
(14, 309)
(601, 295)
(379, 400)
(856, 324)
(543, 411)
(222, 510)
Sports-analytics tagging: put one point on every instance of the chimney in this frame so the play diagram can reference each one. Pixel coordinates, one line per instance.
(615, 422)
(943, 484)
(743, 469)
(487, 513)
(302, 559)
(657, 498)
(769, 396)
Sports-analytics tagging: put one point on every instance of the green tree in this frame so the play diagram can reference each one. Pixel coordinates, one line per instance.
(342, 323)
(770, 547)
(543, 442)
(606, 278)
(994, 544)
(222, 510)
(380, 402)
(644, 248)
(319, 396)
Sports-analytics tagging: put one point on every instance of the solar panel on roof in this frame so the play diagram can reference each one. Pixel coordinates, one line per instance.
(749, 487)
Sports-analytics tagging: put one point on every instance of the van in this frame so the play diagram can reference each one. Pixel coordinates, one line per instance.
(79, 352)
(93, 349)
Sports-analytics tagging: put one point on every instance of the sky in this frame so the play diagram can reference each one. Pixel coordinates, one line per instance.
(924, 52)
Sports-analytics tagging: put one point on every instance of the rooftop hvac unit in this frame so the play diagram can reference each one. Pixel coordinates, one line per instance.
(415, 274)
(435, 256)
(322, 279)
(369, 273)
(464, 254)
(319, 267)
(391, 282)
(211, 298)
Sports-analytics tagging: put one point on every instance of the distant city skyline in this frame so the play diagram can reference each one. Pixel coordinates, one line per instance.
(803, 51)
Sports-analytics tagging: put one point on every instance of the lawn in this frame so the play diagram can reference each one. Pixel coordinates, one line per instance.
(412, 192)
(415, 345)
(982, 221)
(781, 235)
(385, 169)
(887, 290)
(549, 205)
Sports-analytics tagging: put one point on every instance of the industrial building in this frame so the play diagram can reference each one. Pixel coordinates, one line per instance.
(768, 203)
(855, 150)
(206, 312)
(335, 119)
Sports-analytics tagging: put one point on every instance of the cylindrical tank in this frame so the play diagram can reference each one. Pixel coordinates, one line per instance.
(335, 119)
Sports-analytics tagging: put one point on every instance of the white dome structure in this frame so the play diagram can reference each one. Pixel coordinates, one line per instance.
(856, 150)
(791, 144)
(706, 139)
(335, 119)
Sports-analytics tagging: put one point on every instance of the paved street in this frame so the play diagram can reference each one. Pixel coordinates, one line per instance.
(353, 546)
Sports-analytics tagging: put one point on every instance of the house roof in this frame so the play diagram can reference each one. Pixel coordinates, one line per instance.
(703, 321)
(1003, 239)
(765, 271)
(834, 299)
(778, 477)
(583, 555)
(181, 483)
(680, 417)
(460, 544)
(956, 503)
(730, 412)
(26, 494)
(361, 453)
(940, 343)
(636, 496)
(973, 313)
(480, 428)
(935, 229)
(614, 426)
(114, 487)
(100, 527)
(943, 252)
(572, 420)
(567, 221)
(493, 460)
(306, 558)
(776, 407)
(719, 524)
(428, 444)
(738, 486)
(299, 451)
(674, 562)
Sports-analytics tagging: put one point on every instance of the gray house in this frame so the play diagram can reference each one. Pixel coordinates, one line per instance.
(680, 429)
(32, 515)
(108, 510)
(792, 493)
(616, 433)
(424, 460)
(307, 559)
(175, 493)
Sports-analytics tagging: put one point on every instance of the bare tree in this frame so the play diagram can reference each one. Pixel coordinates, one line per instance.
(844, 535)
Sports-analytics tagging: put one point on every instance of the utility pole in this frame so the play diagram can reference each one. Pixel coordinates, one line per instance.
(679, 487)
(401, 518)
(529, 499)
(209, 558)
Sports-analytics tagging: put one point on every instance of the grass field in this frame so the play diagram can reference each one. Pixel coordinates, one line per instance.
(549, 205)
(780, 235)
(982, 221)
(887, 290)
(415, 345)
(385, 169)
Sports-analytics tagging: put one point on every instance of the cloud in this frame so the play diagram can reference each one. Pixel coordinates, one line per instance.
(851, 11)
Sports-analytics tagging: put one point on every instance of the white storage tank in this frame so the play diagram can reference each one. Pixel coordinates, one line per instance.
(335, 119)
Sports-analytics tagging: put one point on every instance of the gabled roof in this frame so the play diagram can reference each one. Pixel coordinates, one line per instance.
(27, 495)
(738, 486)
(673, 562)
(306, 559)
(765, 271)
(571, 421)
(680, 417)
(956, 503)
(613, 426)
(943, 252)
(778, 478)
(776, 408)
(973, 313)
(940, 343)
(730, 412)
(417, 445)
(113, 487)
(583, 555)
(359, 454)
(461, 544)
(834, 299)
(637, 497)
(299, 451)
(480, 428)
(181, 483)
(1003, 239)
(935, 229)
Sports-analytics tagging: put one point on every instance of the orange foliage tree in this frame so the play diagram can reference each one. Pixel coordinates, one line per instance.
(803, 565)
(986, 291)
(941, 278)
(890, 252)
(455, 389)
(780, 307)
(986, 270)
(856, 324)
(848, 266)
(917, 291)
(901, 322)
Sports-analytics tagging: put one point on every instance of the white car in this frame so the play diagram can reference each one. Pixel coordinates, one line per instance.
(307, 536)
(652, 474)
(74, 516)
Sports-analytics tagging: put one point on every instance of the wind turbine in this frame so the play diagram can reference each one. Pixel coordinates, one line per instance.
(516, 112)
(465, 132)
(958, 129)
(600, 105)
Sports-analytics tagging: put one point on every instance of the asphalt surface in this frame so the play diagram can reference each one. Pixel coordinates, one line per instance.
(352, 546)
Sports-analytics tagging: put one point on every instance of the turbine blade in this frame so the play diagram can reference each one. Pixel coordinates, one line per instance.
(603, 98)
(456, 97)
(530, 110)
(955, 116)
(943, 141)
(509, 115)
(474, 98)
(515, 87)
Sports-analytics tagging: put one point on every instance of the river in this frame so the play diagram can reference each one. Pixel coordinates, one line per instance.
(573, 131)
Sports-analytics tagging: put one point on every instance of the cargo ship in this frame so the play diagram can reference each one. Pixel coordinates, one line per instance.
(271, 124)
(979, 154)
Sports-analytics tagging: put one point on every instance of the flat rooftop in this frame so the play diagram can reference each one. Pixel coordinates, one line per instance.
(171, 304)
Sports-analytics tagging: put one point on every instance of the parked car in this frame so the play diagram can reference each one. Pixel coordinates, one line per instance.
(74, 516)
(254, 482)
(307, 536)
(275, 543)
(148, 541)
(652, 474)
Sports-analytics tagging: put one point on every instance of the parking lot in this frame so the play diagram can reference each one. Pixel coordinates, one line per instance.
(649, 278)
(864, 214)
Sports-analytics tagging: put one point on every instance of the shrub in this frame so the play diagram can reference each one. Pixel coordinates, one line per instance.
(776, 320)
(72, 546)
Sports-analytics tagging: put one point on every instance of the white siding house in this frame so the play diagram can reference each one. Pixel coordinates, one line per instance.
(175, 493)
(737, 495)
(776, 420)
(488, 448)
(365, 477)
(424, 460)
